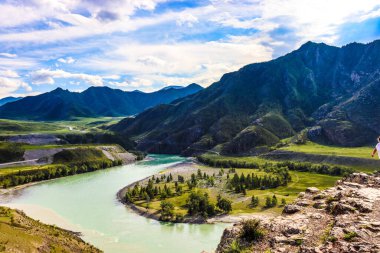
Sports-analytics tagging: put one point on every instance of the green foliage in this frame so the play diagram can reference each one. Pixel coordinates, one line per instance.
(102, 138)
(249, 138)
(224, 204)
(350, 235)
(83, 160)
(234, 247)
(252, 181)
(78, 156)
(167, 210)
(270, 202)
(243, 162)
(10, 152)
(254, 201)
(198, 204)
(251, 230)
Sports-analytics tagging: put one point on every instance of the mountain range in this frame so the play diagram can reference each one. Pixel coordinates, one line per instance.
(62, 104)
(329, 94)
(5, 100)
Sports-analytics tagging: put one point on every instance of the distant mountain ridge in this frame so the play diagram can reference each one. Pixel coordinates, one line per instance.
(5, 100)
(327, 93)
(62, 104)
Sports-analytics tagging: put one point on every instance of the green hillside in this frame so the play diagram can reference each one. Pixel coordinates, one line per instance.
(310, 89)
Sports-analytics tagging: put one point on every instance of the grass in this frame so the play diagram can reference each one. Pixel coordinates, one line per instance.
(11, 170)
(19, 233)
(240, 202)
(51, 146)
(314, 148)
(77, 125)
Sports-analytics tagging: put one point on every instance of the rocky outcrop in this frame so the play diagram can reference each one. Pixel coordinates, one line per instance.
(344, 218)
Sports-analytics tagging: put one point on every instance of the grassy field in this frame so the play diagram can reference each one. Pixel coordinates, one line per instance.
(19, 233)
(241, 203)
(78, 125)
(314, 148)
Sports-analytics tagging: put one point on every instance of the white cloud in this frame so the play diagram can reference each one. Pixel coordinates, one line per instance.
(186, 19)
(9, 83)
(172, 60)
(67, 60)
(47, 76)
(9, 73)
(8, 55)
(140, 83)
(181, 63)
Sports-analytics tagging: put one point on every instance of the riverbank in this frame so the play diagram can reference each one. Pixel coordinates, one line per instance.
(19, 233)
(65, 161)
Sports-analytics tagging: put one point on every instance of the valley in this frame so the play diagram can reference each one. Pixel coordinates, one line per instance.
(187, 162)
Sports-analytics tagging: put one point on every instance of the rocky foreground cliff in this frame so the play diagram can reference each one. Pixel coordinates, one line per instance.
(344, 218)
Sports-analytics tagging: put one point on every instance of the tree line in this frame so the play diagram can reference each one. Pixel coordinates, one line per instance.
(333, 170)
(54, 171)
(242, 183)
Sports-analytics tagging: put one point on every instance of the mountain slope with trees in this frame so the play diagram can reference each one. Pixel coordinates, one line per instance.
(329, 92)
(62, 104)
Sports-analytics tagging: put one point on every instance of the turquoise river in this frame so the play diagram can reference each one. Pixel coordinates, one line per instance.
(87, 203)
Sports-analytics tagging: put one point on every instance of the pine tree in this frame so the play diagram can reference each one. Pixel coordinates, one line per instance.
(268, 202)
(274, 201)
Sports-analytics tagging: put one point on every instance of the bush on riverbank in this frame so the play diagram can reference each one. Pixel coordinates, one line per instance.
(10, 152)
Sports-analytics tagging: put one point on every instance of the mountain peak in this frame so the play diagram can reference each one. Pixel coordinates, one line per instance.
(311, 45)
(194, 85)
(59, 90)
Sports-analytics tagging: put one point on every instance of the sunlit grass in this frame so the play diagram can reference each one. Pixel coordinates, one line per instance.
(314, 148)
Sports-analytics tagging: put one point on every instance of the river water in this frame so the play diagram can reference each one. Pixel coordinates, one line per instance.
(87, 203)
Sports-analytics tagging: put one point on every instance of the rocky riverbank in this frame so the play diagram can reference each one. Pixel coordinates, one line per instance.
(344, 218)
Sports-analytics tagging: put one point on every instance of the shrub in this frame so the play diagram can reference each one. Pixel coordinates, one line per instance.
(198, 203)
(234, 247)
(224, 204)
(251, 230)
(254, 201)
(167, 210)
(350, 235)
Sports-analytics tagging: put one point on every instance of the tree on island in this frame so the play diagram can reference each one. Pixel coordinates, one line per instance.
(224, 204)
(254, 201)
(167, 210)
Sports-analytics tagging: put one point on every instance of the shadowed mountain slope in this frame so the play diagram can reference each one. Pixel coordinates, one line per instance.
(332, 92)
(62, 104)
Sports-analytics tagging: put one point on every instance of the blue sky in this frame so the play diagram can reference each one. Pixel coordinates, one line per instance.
(150, 44)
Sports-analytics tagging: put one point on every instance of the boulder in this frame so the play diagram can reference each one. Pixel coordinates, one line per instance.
(312, 190)
(290, 209)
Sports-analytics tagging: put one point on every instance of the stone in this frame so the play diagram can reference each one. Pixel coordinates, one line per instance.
(312, 190)
(340, 208)
(290, 209)
(319, 205)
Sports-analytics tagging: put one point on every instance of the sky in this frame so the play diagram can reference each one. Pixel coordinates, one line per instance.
(150, 44)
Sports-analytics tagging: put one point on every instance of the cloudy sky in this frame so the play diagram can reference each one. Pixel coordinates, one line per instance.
(149, 44)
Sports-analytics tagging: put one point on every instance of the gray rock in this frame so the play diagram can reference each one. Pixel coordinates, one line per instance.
(290, 209)
(312, 190)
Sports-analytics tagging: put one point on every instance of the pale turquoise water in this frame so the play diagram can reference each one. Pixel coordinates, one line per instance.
(88, 203)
